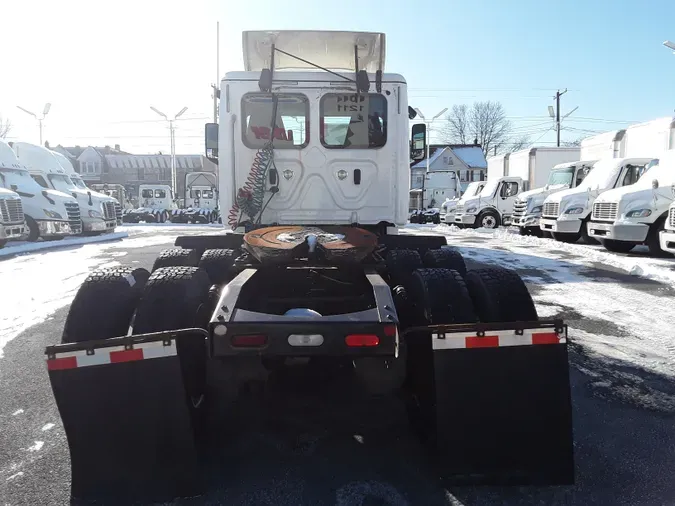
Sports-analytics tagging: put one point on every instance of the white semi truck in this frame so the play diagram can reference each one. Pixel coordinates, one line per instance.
(11, 215)
(449, 207)
(625, 217)
(545, 170)
(49, 214)
(156, 204)
(200, 202)
(567, 213)
(97, 211)
(313, 284)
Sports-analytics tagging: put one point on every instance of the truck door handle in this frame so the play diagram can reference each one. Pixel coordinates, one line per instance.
(274, 176)
(357, 176)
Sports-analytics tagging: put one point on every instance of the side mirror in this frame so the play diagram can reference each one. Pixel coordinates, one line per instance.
(655, 183)
(412, 113)
(14, 187)
(419, 141)
(211, 142)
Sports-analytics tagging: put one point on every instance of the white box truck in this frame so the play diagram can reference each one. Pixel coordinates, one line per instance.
(97, 211)
(11, 215)
(566, 213)
(625, 217)
(544, 170)
(49, 214)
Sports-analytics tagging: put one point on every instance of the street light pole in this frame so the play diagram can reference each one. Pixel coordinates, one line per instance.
(172, 140)
(45, 111)
(428, 123)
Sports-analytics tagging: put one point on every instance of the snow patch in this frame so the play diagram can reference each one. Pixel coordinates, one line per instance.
(36, 447)
(47, 426)
(16, 475)
(17, 412)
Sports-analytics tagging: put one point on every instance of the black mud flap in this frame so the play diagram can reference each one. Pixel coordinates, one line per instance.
(127, 418)
(502, 406)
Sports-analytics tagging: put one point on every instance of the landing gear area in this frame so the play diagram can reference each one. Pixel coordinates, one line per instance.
(227, 325)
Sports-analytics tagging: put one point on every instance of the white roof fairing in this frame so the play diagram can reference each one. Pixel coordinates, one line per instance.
(333, 50)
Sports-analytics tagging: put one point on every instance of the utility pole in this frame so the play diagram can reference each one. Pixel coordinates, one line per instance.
(557, 112)
(216, 87)
(172, 134)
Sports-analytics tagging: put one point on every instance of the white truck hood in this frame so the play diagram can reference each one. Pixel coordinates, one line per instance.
(538, 195)
(630, 198)
(8, 194)
(472, 202)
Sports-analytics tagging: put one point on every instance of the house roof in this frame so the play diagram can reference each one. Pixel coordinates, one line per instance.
(432, 159)
(473, 156)
(76, 151)
(189, 162)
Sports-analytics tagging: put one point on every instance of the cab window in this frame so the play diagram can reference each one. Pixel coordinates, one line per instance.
(291, 123)
(633, 173)
(581, 175)
(509, 189)
(353, 121)
(146, 194)
(160, 194)
(40, 180)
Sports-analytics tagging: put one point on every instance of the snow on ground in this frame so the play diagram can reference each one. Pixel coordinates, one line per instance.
(21, 247)
(621, 321)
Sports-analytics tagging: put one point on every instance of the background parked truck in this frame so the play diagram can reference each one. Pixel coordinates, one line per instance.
(667, 236)
(544, 171)
(11, 215)
(49, 214)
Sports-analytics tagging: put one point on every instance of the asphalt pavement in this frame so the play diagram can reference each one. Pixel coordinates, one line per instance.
(288, 449)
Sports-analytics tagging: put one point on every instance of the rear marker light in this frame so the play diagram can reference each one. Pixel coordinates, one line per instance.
(305, 339)
(249, 341)
(355, 340)
(390, 330)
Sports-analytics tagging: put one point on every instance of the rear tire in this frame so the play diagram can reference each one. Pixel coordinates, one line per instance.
(176, 298)
(400, 265)
(104, 304)
(445, 258)
(440, 296)
(218, 264)
(176, 257)
(617, 246)
(511, 300)
(33, 230)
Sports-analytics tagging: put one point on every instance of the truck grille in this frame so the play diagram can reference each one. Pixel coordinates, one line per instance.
(118, 211)
(11, 211)
(605, 211)
(74, 218)
(519, 209)
(459, 209)
(109, 211)
(671, 218)
(552, 209)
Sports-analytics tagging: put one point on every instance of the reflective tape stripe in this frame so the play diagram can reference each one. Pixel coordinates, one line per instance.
(113, 355)
(495, 339)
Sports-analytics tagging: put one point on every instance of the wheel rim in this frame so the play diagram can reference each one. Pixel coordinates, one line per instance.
(488, 221)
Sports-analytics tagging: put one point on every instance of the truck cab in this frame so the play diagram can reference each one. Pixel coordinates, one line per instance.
(156, 202)
(492, 207)
(565, 213)
(200, 203)
(11, 215)
(625, 217)
(49, 214)
(449, 207)
(529, 206)
(97, 211)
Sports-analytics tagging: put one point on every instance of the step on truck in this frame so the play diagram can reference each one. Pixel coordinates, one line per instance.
(313, 270)
(48, 214)
(200, 201)
(11, 215)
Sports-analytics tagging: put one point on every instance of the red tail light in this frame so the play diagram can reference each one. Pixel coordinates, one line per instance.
(390, 330)
(355, 340)
(249, 341)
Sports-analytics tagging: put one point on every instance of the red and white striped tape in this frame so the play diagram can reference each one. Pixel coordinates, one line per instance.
(112, 355)
(496, 339)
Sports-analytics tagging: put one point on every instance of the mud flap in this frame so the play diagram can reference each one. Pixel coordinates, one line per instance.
(502, 410)
(127, 420)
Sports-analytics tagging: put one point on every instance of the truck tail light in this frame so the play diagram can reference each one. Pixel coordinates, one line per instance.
(358, 340)
(249, 341)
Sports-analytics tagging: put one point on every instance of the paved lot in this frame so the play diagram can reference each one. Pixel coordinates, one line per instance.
(300, 449)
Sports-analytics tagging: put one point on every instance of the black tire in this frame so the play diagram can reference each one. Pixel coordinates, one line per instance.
(488, 219)
(653, 242)
(176, 298)
(585, 238)
(33, 230)
(176, 257)
(445, 258)
(400, 265)
(617, 246)
(567, 238)
(546, 235)
(218, 264)
(440, 296)
(508, 292)
(104, 304)
(522, 231)
(3, 242)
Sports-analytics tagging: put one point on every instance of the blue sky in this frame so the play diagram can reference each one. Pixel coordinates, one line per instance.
(122, 56)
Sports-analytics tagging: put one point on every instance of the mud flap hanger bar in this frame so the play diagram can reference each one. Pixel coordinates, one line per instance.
(481, 328)
(127, 341)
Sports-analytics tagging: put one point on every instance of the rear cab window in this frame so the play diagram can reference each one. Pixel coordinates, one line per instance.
(160, 194)
(291, 125)
(353, 121)
(146, 194)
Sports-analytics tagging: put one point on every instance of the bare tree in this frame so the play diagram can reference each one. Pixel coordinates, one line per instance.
(574, 143)
(5, 127)
(485, 122)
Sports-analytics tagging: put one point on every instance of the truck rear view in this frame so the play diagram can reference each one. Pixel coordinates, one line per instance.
(314, 271)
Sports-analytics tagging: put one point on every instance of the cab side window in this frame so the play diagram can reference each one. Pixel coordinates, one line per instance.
(581, 175)
(633, 173)
(509, 189)
(41, 181)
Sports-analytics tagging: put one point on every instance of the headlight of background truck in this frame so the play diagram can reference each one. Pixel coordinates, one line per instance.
(574, 210)
(471, 210)
(95, 214)
(536, 209)
(51, 214)
(639, 213)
